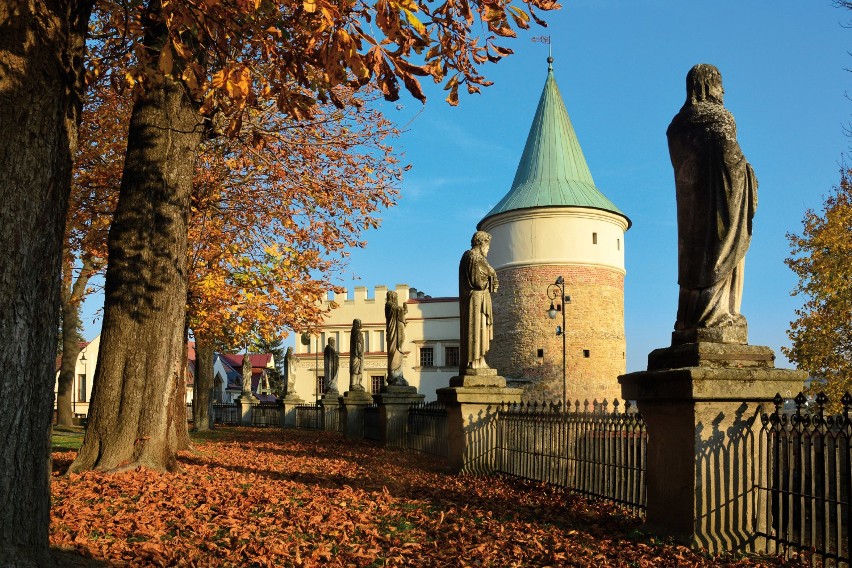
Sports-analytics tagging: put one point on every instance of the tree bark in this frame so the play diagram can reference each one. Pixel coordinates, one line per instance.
(134, 417)
(70, 298)
(203, 384)
(41, 65)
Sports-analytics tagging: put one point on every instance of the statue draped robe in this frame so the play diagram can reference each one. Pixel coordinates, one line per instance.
(476, 281)
(331, 361)
(356, 359)
(716, 201)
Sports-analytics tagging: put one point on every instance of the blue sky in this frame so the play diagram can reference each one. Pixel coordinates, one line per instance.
(621, 68)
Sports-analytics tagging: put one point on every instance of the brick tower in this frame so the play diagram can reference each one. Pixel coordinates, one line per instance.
(554, 222)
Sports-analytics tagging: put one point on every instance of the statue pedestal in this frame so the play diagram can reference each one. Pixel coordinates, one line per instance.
(288, 410)
(393, 402)
(329, 403)
(246, 401)
(472, 401)
(353, 403)
(703, 427)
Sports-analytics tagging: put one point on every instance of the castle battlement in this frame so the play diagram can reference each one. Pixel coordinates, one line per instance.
(360, 295)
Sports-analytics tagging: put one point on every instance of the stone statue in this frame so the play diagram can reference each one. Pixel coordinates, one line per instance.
(356, 356)
(395, 337)
(716, 200)
(291, 364)
(246, 373)
(477, 280)
(331, 362)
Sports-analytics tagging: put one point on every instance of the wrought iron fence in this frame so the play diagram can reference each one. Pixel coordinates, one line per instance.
(427, 428)
(371, 422)
(308, 416)
(805, 490)
(225, 413)
(597, 453)
(189, 417)
(266, 414)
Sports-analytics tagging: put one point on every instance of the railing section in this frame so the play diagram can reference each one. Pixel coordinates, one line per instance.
(805, 489)
(427, 428)
(331, 417)
(266, 414)
(371, 422)
(597, 453)
(225, 413)
(308, 416)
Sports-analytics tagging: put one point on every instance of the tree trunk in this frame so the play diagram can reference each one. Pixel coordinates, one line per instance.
(203, 384)
(41, 63)
(133, 420)
(70, 298)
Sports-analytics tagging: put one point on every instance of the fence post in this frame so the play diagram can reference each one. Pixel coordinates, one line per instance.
(472, 403)
(701, 404)
(353, 403)
(393, 402)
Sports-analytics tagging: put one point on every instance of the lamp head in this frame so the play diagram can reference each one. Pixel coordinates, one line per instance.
(552, 311)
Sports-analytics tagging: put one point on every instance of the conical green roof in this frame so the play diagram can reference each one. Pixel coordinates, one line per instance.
(552, 171)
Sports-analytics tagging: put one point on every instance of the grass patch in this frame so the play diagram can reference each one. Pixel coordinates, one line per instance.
(64, 438)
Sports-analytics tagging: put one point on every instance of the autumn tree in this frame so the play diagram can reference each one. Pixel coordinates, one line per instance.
(98, 165)
(270, 223)
(821, 334)
(200, 64)
(41, 79)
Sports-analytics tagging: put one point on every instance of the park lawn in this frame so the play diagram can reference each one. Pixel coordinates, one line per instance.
(270, 497)
(66, 438)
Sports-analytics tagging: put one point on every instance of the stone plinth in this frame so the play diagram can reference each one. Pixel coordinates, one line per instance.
(393, 402)
(471, 409)
(288, 410)
(329, 402)
(246, 402)
(703, 426)
(706, 354)
(353, 404)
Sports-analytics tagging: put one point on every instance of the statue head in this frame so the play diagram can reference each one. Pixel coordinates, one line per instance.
(481, 240)
(704, 84)
(356, 324)
(331, 342)
(391, 298)
(289, 352)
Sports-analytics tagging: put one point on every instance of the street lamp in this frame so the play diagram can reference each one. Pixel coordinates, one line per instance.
(558, 299)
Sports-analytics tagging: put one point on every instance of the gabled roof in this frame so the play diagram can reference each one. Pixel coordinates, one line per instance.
(552, 171)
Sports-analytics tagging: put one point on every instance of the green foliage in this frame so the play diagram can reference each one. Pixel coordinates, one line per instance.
(821, 257)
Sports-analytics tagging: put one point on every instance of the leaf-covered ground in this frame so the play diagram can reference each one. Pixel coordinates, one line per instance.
(255, 497)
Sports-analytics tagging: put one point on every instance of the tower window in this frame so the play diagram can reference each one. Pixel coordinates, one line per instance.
(618, 244)
(586, 353)
(594, 238)
(540, 353)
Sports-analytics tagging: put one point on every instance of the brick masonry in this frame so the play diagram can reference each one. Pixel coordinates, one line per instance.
(595, 344)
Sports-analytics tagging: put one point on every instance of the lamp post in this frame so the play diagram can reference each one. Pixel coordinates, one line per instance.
(76, 394)
(556, 291)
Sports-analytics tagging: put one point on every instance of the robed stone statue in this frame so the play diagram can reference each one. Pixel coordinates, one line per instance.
(291, 365)
(716, 200)
(356, 356)
(477, 280)
(395, 337)
(331, 362)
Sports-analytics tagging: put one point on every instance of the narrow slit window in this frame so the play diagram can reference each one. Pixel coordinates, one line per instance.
(540, 353)
(594, 238)
(586, 353)
(618, 244)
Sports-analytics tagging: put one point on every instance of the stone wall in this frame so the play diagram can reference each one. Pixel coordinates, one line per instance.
(595, 344)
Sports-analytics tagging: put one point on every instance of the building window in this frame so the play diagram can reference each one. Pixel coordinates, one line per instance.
(376, 383)
(594, 238)
(540, 353)
(586, 353)
(81, 388)
(381, 335)
(427, 357)
(451, 356)
(366, 341)
(618, 243)
(320, 384)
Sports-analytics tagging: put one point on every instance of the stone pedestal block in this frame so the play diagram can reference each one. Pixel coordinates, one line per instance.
(288, 410)
(353, 404)
(471, 432)
(703, 423)
(329, 403)
(394, 402)
(246, 403)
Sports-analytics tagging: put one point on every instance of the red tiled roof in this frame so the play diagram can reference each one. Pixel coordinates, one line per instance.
(258, 360)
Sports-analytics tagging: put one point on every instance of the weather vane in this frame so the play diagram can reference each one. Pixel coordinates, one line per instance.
(546, 39)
